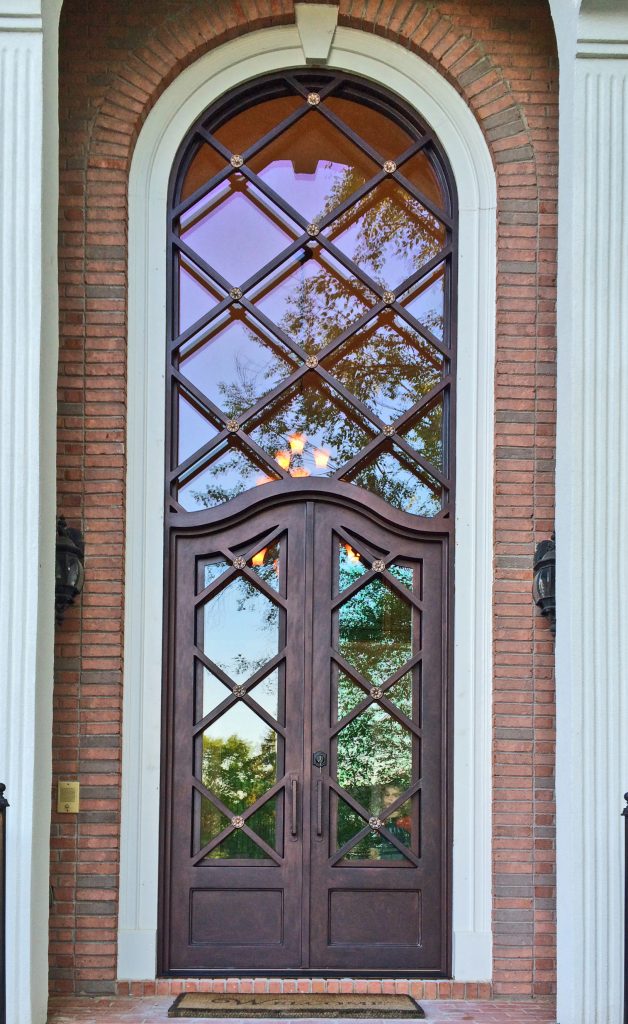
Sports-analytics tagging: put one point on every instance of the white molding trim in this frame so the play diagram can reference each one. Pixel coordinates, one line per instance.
(591, 501)
(28, 375)
(439, 104)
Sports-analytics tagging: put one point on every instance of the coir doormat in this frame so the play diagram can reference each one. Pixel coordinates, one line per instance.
(298, 1004)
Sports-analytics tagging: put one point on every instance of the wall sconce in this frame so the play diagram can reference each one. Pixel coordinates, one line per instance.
(544, 585)
(69, 574)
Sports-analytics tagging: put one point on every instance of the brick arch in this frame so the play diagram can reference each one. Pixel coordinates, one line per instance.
(504, 66)
(447, 41)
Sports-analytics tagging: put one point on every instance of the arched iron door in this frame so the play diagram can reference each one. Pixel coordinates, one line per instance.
(309, 517)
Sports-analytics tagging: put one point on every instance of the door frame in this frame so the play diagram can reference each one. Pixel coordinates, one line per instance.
(460, 136)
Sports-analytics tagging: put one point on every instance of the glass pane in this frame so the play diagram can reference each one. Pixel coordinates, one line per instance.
(266, 693)
(309, 431)
(313, 298)
(204, 165)
(212, 821)
(214, 692)
(241, 630)
(197, 295)
(403, 573)
(264, 822)
(375, 631)
(374, 757)
(349, 695)
(195, 429)
(426, 434)
(420, 171)
(313, 166)
(426, 302)
(235, 365)
(350, 565)
(240, 132)
(385, 136)
(373, 846)
(236, 230)
(239, 758)
(387, 365)
(401, 694)
(388, 234)
(228, 472)
(401, 483)
(265, 563)
(213, 570)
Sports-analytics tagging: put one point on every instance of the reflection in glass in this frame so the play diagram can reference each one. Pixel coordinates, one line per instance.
(195, 429)
(375, 631)
(350, 694)
(204, 165)
(197, 295)
(237, 845)
(375, 845)
(400, 482)
(265, 563)
(214, 692)
(421, 172)
(266, 693)
(314, 417)
(374, 757)
(235, 364)
(387, 365)
(239, 758)
(212, 570)
(426, 302)
(403, 573)
(426, 434)
(350, 565)
(236, 230)
(385, 136)
(388, 234)
(313, 166)
(313, 298)
(227, 472)
(239, 132)
(241, 629)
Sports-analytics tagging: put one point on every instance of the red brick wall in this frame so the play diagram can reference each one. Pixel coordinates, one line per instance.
(116, 58)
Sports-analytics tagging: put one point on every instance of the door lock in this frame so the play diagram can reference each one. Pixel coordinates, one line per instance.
(319, 759)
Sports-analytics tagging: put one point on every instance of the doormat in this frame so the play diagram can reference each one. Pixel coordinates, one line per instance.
(298, 1004)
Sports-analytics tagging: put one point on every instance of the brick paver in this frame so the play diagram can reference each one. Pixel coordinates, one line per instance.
(151, 1009)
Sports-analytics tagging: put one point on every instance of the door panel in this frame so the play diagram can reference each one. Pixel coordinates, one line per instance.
(378, 871)
(234, 892)
(306, 819)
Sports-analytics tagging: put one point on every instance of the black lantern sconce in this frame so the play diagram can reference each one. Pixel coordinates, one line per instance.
(69, 575)
(544, 585)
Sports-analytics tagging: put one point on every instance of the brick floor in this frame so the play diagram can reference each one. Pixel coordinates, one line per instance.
(153, 1009)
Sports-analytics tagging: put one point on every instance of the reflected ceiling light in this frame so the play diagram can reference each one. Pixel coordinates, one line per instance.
(258, 558)
(299, 471)
(321, 458)
(283, 458)
(297, 442)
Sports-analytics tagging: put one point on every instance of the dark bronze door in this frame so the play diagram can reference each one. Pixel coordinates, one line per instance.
(306, 825)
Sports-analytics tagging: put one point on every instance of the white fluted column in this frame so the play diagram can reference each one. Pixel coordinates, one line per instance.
(592, 515)
(28, 359)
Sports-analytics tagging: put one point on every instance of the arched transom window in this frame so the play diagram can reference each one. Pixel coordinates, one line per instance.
(312, 243)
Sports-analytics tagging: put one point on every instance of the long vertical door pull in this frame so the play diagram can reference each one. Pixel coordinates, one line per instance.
(294, 806)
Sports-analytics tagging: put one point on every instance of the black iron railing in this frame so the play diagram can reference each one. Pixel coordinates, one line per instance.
(625, 814)
(3, 902)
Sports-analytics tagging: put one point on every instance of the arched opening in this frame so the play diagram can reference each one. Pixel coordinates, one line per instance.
(309, 518)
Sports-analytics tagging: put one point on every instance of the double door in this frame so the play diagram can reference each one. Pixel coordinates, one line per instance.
(305, 810)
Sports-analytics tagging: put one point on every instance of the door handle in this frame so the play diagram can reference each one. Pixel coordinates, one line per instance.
(319, 807)
(294, 806)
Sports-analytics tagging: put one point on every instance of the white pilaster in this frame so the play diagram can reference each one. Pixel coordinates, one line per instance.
(27, 509)
(592, 499)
